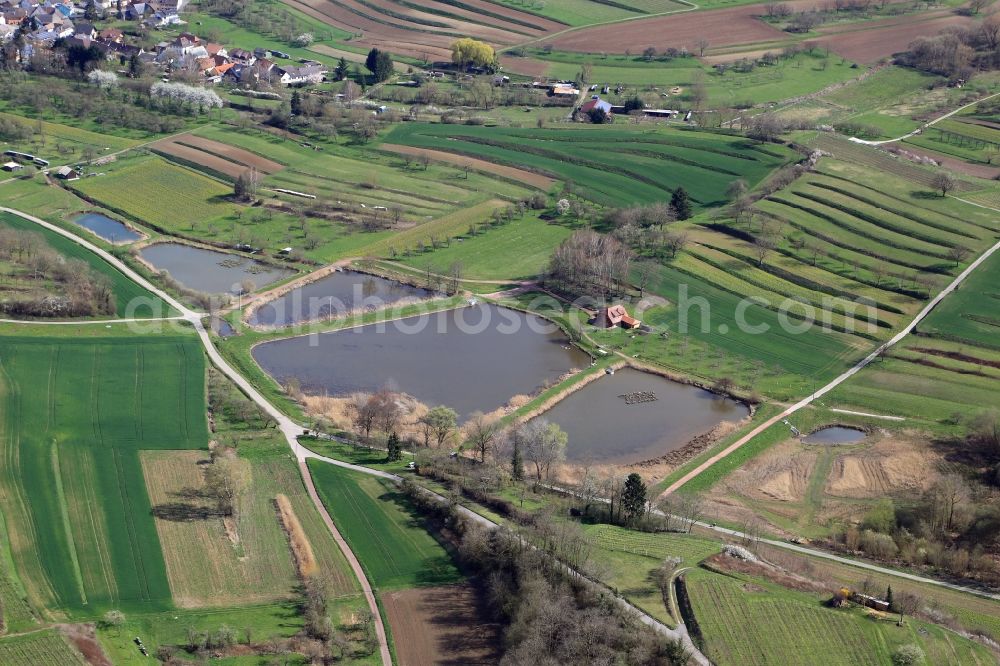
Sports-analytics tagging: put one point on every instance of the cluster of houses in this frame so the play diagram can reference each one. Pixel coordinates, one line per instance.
(216, 63)
(43, 24)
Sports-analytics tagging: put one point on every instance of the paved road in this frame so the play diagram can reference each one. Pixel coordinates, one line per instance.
(854, 563)
(84, 322)
(839, 380)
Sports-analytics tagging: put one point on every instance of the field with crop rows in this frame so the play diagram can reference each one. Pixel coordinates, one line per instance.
(952, 364)
(849, 257)
(880, 160)
(17, 615)
(704, 335)
(281, 475)
(448, 226)
(153, 190)
(575, 12)
(354, 176)
(204, 565)
(143, 303)
(75, 416)
(961, 137)
(746, 623)
(41, 648)
(611, 166)
(426, 31)
(387, 537)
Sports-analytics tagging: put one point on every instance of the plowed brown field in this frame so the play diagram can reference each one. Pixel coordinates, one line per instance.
(427, 33)
(213, 155)
(881, 39)
(722, 27)
(440, 625)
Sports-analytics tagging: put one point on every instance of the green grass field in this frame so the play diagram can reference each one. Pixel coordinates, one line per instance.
(805, 73)
(132, 300)
(630, 558)
(611, 166)
(575, 12)
(263, 622)
(76, 413)
(748, 621)
(516, 250)
(387, 536)
(971, 313)
(704, 338)
(852, 258)
(961, 138)
(351, 185)
(234, 36)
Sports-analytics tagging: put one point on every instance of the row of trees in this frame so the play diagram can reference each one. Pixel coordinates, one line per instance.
(129, 106)
(551, 616)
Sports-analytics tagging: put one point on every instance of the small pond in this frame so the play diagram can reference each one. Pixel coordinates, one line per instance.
(222, 328)
(337, 294)
(471, 358)
(110, 230)
(835, 435)
(603, 426)
(209, 271)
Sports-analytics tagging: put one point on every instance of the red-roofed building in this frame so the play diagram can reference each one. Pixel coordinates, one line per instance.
(617, 315)
(596, 103)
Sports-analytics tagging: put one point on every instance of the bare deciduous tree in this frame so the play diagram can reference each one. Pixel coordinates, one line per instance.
(943, 183)
(482, 432)
(762, 247)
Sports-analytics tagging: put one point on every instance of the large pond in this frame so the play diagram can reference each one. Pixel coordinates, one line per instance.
(209, 271)
(472, 358)
(110, 230)
(602, 426)
(337, 294)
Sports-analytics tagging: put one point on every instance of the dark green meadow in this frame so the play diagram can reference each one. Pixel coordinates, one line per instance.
(76, 414)
(616, 167)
